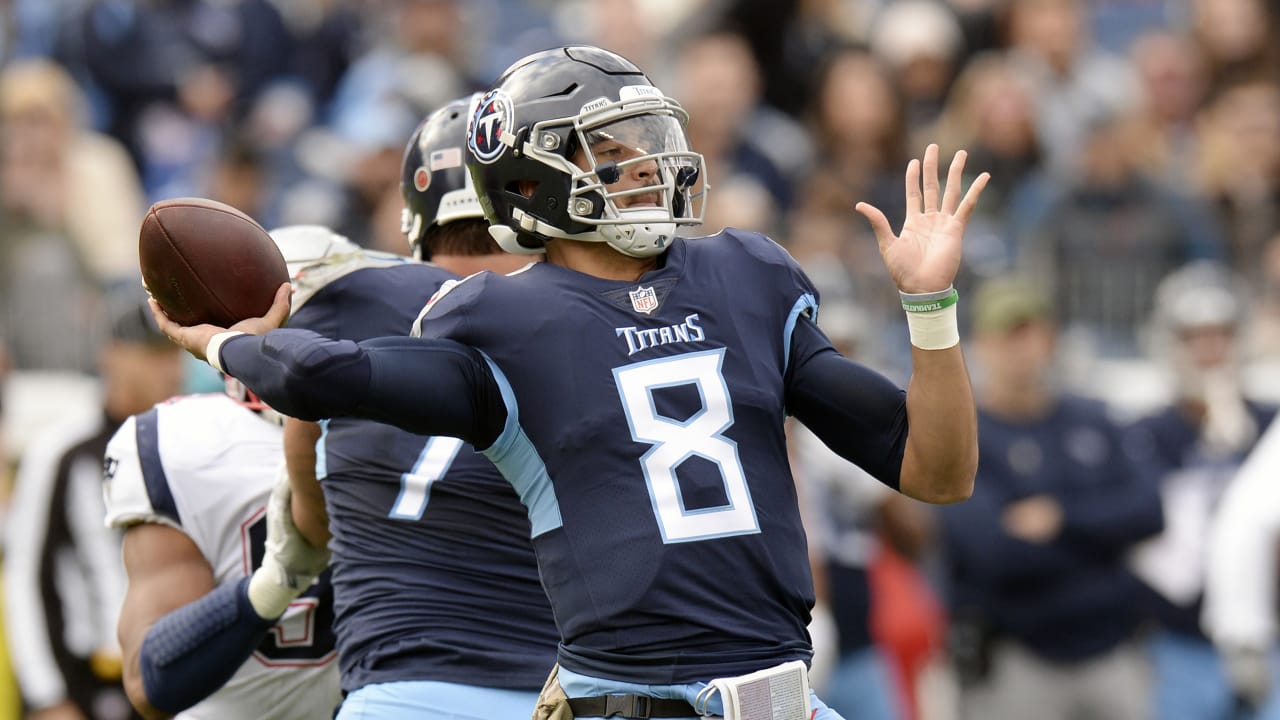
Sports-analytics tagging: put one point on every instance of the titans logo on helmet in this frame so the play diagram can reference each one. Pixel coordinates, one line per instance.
(491, 118)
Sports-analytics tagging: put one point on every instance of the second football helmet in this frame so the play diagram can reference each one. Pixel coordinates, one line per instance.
(577, 143)
(434, 181)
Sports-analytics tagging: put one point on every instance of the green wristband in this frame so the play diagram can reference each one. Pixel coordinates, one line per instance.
(929, 304)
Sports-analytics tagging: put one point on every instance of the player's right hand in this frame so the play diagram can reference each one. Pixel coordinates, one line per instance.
(290, 564)
(195, 338)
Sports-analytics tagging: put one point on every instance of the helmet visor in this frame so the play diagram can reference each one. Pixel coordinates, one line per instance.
(641, 162)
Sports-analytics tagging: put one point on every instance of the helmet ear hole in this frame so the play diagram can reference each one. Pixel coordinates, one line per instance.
(524, 188)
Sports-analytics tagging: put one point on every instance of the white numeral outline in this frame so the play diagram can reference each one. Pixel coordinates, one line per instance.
(675, 441)
(415, 486)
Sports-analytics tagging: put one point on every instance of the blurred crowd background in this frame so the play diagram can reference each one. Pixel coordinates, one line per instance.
(1124, 263)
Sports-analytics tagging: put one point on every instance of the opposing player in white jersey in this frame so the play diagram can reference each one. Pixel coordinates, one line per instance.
(216, 623)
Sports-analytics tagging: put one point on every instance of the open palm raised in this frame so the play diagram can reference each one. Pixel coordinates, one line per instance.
(925, 256)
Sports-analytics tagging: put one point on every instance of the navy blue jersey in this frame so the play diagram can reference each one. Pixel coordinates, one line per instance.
(433, 571)
(641, 423)
(646, 426)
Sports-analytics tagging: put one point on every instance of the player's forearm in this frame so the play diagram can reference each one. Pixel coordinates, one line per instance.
(309, 512)
(192, 651)
(298, 372)
(941, 455)
(421, 385)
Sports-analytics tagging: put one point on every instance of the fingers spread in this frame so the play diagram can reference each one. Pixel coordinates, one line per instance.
(913, 188)
(951, 195)
(931, 188)
(879, 223)
(971, 197)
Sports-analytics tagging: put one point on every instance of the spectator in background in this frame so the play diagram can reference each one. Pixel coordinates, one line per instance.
(174, 73)
(789, 39)
(1190, 451)
(1107, 238)
(62, 176)
(991, 112)
(353, 157)
(1240, 168)
(921, 43)
(328, 35)
(63, 577)
(419, 68)
(859, 144)
(1074, 81)
(743, 143)
(1038, 586)
(69, 211)
(1237, 39)
(1162, 127)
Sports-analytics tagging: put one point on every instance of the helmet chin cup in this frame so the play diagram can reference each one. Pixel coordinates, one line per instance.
(646, 232)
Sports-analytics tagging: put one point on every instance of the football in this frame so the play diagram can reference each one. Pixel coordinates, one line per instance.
(207, 262)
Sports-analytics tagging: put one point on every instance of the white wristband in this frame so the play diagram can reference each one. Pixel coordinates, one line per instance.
(934, 330)
(268, 593)
(932, 320)
(213, 350)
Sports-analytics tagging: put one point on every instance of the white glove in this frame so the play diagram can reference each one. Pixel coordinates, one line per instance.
(290, 564)
(1249, 674)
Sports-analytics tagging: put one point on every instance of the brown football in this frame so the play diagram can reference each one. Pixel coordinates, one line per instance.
(207, 262)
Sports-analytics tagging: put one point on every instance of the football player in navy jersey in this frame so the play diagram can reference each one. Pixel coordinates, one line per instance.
(633, 388)
(439, 609)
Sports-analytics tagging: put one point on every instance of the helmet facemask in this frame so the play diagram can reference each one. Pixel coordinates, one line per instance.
(630, 173)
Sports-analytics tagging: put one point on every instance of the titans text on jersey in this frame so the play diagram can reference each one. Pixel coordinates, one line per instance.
(657, 483)
(640, 338)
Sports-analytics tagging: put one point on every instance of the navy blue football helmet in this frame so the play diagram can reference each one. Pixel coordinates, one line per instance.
(577, 143)
(434, 180)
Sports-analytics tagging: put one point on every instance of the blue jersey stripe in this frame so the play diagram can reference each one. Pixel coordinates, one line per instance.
(806, 302)
(153, 475)
(519, 462)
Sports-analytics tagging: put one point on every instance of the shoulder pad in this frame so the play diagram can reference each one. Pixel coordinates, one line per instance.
(136, 488)
(315, 277)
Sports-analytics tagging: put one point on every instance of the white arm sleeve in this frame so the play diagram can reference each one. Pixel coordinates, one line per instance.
(1239, 602)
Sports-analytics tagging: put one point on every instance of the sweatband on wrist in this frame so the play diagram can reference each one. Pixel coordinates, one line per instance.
(931, 318)
(267, 596)
(191, 652)
(214, 348)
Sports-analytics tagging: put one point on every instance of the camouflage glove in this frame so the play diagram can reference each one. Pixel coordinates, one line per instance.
(290, 564)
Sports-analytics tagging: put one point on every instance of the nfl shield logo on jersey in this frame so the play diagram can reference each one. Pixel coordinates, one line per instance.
(644, 299)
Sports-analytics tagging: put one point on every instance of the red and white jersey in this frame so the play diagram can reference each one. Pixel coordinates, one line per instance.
(205, 465)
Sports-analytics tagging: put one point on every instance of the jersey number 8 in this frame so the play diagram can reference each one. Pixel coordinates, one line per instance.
(675, 441)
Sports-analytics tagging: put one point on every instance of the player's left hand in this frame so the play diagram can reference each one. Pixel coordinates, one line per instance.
(301, 561)
(925, 256)
(195, 338)
(290, 564)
